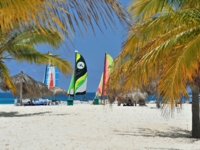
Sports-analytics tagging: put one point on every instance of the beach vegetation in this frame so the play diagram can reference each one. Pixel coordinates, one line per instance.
(163, 46)
(67, 17)
(20, 44)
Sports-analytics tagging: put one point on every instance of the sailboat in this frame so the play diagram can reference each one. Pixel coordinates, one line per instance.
(51, 75)
(78, 84)
(108, 66)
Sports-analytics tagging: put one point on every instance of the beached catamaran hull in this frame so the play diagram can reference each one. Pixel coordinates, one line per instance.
(78, 84)
(108, 66)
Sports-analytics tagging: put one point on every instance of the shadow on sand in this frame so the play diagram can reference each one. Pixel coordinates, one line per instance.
(173, 132)
(16, 114)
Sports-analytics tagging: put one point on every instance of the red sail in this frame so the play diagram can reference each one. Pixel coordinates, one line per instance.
(108, 63)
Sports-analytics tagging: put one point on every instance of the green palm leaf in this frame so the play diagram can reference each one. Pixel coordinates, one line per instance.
(162, 37)
(163, 46)
(20, 45)
(62, 16)
(5, 76)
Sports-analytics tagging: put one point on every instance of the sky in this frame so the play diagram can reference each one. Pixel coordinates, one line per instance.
(91, 47)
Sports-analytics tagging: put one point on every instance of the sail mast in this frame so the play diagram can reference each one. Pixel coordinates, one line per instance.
(74, 73)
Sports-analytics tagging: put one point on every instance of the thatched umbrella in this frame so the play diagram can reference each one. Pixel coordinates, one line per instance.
(57, 90)
(44, 89)
(137, 95)
(26, 87)
(152, 88)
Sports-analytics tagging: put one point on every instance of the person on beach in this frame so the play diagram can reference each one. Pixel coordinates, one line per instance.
(84, 99)
(129, 103)
(134, 103)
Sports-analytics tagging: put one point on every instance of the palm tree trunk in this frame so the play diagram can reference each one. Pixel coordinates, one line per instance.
(158, 101)
(195, 112)
(21, 94)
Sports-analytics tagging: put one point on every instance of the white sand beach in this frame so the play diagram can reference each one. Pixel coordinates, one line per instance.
(94, 127)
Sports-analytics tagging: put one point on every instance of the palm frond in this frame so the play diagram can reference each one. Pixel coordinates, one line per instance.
(31, 38)
(31, 55)
(165, 46)
(20, 45)
(145, 9)
(61, 15)
(5, 76)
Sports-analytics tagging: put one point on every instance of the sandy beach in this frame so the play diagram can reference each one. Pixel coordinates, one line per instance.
(94, 127)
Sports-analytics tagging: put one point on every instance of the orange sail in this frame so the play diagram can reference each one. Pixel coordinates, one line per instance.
(99, 90)
(108, 65)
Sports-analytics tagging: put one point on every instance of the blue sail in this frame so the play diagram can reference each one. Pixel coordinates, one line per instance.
(51, 76)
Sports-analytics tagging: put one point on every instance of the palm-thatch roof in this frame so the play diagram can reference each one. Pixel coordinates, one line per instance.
(43, 88)
(151, 88)
(137, 95)
(27, 87)
(57, 90)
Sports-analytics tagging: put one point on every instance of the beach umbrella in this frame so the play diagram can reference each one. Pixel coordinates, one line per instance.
(44, 90)
(137, 95)
(151, 88)
(57, 90)
(26, 87)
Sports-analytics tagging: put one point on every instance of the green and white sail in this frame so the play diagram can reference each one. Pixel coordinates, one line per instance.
(78, 84)
(71, 86)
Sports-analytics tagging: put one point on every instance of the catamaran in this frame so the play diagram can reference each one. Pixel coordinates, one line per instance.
(51, 75)
(108, 65)
(78, 84)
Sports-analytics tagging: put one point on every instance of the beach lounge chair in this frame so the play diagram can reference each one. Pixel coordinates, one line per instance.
(36, 103)
(40, 102)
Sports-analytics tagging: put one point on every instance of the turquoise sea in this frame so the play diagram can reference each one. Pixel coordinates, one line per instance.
(8, 98)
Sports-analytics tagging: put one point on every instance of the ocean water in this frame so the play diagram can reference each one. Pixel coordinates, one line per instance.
(8, 98)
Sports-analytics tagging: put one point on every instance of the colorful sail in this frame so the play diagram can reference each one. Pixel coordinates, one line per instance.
(78, 84)
(71, 87)
(108, 66)
(51, 76)
(99, 90)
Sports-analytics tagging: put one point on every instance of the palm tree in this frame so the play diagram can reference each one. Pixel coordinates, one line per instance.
(164, 45)
(66, 16)
(20, 45)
